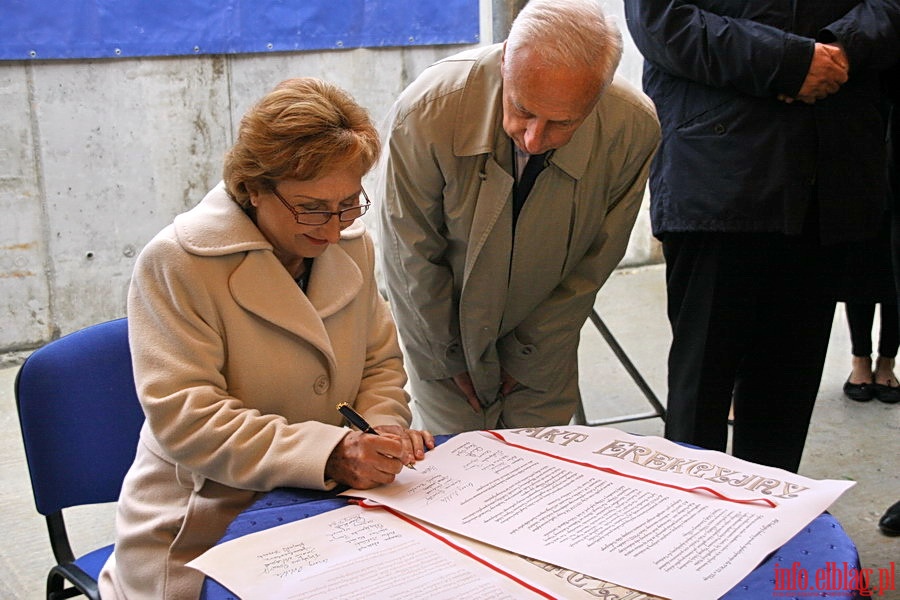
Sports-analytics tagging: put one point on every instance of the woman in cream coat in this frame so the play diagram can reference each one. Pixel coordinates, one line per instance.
(250, 318)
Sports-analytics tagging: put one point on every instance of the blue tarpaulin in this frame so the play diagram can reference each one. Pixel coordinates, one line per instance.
(38, 29)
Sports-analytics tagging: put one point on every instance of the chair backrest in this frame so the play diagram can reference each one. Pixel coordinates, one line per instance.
(80, 416)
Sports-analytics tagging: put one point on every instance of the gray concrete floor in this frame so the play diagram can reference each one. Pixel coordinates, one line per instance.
(847, 440)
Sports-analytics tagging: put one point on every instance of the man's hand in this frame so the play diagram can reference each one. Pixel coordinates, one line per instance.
(507, 383)
(828, 71)
(464, 382)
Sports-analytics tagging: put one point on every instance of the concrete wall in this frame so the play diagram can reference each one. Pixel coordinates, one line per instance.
(96, 156)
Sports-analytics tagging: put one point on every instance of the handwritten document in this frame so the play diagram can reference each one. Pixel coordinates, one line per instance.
(353, 553)
(642, 512)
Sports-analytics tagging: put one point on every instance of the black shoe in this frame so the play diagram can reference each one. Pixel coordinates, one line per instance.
(861, 392)
(890, 521)
(886, 393)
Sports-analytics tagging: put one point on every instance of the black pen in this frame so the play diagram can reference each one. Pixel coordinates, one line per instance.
(357, 421)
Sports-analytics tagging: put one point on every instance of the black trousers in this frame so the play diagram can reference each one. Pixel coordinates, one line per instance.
(860, 316)
(751, 319)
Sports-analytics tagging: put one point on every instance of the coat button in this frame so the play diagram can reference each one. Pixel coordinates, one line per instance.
(321, 384)
(719, 128)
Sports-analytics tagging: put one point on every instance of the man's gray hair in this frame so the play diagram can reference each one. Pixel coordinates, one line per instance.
(571, 33)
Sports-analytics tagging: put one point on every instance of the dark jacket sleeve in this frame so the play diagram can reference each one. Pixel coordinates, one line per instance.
(719, 50)
(715, 70)
(869, 33)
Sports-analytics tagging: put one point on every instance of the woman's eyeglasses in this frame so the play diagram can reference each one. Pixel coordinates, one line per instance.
(320, 217)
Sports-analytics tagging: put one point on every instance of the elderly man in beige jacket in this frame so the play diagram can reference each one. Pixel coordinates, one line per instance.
(490, 292)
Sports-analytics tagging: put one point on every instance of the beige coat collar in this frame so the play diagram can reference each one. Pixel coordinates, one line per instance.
(476, 129)
(218, 227)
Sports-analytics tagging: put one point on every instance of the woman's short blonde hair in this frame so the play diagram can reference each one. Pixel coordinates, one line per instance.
(302, 129)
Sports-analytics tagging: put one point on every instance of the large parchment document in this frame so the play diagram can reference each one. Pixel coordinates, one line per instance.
(641, 512)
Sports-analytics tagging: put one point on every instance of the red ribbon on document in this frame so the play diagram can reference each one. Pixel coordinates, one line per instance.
(697, 489)
(457, 547)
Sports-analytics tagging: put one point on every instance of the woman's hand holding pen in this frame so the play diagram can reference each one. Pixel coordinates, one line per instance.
(364, 461)
(415, 442)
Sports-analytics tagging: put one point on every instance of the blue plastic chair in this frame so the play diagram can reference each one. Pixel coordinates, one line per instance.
(80, 419)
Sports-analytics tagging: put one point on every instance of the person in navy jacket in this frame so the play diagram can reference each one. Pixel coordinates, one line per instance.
(772, 156)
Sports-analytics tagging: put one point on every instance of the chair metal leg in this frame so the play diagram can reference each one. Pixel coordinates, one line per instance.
(658, 409)
(57, 590)
(80, 583)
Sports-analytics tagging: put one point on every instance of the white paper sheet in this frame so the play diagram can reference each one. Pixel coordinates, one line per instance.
(550, 499)
(352, 553)
(558, 581)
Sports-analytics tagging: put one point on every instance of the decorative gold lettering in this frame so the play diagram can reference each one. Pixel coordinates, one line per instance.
(700, 469)
(529, 431)
(657, 461)
(722, 474)
(550, 434)
(766, 486)
(746, 480)
(791, 490)
(636, 453)
(615, 448)
(679, 464)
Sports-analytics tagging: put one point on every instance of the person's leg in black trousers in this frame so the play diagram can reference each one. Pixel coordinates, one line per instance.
(748, 318)
(860, 316)
(778, 381)
(889, 523)
(889, 334)
(710, 300)
(885, 385)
